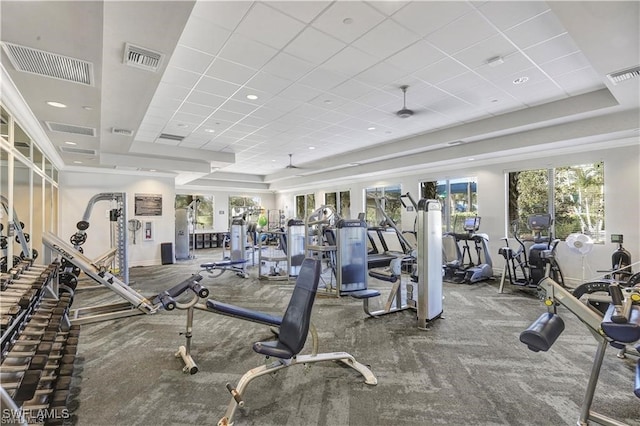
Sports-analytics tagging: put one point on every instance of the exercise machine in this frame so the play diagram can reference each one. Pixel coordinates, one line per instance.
(285, 351)
(346, 250)
(621, 263)
(526, 266)
(381, 253)
(619, 327)
(463, 269)
(239, 248)
(424, 294)
(118, 232)
(282, 246)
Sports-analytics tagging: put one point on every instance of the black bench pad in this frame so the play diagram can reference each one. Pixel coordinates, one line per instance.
(243, 313)
(364, 294)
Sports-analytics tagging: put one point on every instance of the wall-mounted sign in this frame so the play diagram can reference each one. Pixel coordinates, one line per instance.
(148, 205)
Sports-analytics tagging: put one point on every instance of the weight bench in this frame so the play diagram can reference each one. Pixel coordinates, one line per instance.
(389, 275)
(291, 340)
(217, 268)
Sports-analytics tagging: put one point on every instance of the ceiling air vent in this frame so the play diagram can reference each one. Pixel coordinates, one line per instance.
(140, 57)
(70, 128)
(167, 136)
(49, 64)
(80, 151)
(628, 74)
(121, 132)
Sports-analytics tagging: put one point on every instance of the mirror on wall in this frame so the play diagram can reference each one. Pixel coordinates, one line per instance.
(23, 203)
(21, 141)
(4, 190)
(31, 178)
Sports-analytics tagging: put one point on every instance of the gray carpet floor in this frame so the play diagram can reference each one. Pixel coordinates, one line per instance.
(468, 368)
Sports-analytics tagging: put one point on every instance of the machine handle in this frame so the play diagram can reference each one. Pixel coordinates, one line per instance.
(236, 395)
(620, 313)
(167, 301)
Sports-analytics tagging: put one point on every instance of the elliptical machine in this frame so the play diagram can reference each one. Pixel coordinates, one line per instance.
(463, 269)
(526, 266)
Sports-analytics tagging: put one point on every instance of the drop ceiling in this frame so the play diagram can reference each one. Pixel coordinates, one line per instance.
(243, 90)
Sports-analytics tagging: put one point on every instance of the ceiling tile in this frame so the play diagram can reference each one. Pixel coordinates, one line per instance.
(226, 14)
(268, 83)
(281, 104)
(440, 71)
(183, 117)
(230, 71)
(580, 81)
(350, 61)
(566, 64)
(552, 49)
(305, 11)
(386, 39)
(299, 92)
(415, 57)
(478, 54)
(268, 25)
(191, 60)
(388, 7)
(288, 66)
(381, 74)
(196, 109)
(232, 105)
(540, 94)
(216, 87)
(247, 52)
(314, 46)
(179, 77)
(206, 99)
(362, 18)
(454, 37)
(351, 89)
(537, 30)
(506, 14)
(322, 79)
(425, 17)
(202, 35)
(513, 63)
(461, 82)
(166, 90)
(243, 92)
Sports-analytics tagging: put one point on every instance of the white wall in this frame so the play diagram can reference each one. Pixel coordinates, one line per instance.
(622, 202)
(77, 188)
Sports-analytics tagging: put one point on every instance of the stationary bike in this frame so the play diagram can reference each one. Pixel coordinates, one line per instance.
(525, 267)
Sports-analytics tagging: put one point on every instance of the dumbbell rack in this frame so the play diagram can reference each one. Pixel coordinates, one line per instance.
(38, 345)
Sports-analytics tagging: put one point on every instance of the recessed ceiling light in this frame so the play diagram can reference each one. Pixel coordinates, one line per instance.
(209, 130)
(521, 80)
(87, 108)
(56, 104)
(493, 101)
(273, 161)
(347, 21)
(77, 162)
(70, 143)
(252, 97)
(152, 170)
(371, 128)
(354, 164)
(182, 125)
(471, 159)
(328, 101)
(312, 147)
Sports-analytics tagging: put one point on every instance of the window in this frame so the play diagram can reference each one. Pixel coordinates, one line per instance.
(389, 200)
(202, 212)
(341, 201)
(305, 205)
(573, 195)
(459, 199)
(246, 207)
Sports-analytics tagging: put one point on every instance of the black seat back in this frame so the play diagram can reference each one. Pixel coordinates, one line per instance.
(297, 317)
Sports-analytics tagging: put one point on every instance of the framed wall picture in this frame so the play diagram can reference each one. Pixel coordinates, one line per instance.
(148, 205)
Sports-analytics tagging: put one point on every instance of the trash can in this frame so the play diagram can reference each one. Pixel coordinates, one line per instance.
(166, 253)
